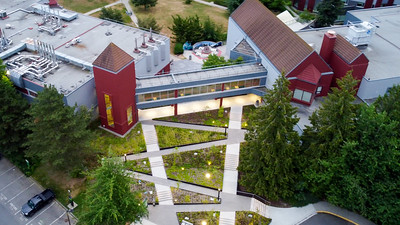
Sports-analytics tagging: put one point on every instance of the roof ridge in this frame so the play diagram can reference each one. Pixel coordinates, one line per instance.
(113, 58)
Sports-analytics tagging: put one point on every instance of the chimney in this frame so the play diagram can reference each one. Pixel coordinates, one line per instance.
(327, 45)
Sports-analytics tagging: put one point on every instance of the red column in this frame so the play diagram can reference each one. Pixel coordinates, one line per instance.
(300, 5)
(390, 3)
(176, 105)
(221, 99)
(311, 4)
(327, 45)
(378, 3)
(368, 4)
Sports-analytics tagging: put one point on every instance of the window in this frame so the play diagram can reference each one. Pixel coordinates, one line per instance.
(227, 86)
(32, 93)
(141, 98)
(129, 115)
(147, 97)
(302, 95)
(156, 96)
(164, 95)
(181, 92)
(188, 91)
(319, 89)
(203, 89)
(218, 87)
(248, 83)
(171, 94)
(211, 88)
(110, 118)
(256, 82)
(241, 84)
(196, 90)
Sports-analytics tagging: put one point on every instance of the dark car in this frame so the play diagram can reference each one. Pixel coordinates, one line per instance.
(37, 202)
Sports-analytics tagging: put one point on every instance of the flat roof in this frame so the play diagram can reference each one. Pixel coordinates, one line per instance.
(65, 78)
(383, 50)
(200, 75)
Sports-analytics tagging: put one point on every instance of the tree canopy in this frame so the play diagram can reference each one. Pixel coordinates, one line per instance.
(145, 3)
(13, 116)
(328, 11)
(270, 154)
(111, 14)
(59, 134)
(389, 103)
(109, 199)
(149, 22)
(218, 61)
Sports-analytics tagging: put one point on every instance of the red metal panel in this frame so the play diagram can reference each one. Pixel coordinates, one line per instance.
(311, 4)
(368, 4)
(390, 3)
(378, 3)
(301, 5)
(121, 87)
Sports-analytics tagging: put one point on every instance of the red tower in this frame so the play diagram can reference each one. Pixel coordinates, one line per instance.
(114, 74)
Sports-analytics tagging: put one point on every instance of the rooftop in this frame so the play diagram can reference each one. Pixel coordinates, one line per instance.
(200, 75)
(383, 52)
(276, 40)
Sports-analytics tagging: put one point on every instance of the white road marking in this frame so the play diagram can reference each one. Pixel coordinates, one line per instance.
(41, 213)
(11, 182)
(20, 193)
(13, 207)
(7, 170)
(3, 197)
(57, 219)
(17, 212)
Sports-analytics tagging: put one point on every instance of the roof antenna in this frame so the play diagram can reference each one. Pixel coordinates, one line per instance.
(144, 42)
(151, 40)
(136, 48)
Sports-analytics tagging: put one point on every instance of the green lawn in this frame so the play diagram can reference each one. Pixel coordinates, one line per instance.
(173, 136)
(140, 165)
(197, 218)
(166, 8)
(112, 145)
(209, 117)
(84, 6)
(194, 166)
(248, 217)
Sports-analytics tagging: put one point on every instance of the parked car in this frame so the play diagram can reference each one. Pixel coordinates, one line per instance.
(37, 202)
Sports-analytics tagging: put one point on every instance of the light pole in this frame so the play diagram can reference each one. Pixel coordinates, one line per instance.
(219, 191)
(124, 157)
(226, 126)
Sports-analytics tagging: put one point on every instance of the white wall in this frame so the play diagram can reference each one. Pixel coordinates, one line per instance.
(235, 35)
(373, 88)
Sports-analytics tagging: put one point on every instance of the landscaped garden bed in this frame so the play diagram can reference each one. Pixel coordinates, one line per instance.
(203, 167)
(217, 117)
(198, 218)
(247, 109)
(146, 189)
(181, 196)
(113, 145)
(140, 165)
(248, 217)
(173, 136)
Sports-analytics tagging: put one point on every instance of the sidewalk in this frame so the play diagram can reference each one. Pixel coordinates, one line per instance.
(98, 9)
(211, 4)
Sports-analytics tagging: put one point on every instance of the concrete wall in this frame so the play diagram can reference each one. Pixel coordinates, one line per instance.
(370, 89)
(84, 95)
(235, 35)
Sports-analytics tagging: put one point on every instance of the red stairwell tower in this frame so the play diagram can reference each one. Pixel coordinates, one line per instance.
(114, 74)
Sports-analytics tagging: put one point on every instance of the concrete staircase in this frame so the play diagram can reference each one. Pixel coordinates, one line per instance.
(227, 218)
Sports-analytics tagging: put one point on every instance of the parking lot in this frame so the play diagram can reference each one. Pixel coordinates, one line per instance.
(15, 190)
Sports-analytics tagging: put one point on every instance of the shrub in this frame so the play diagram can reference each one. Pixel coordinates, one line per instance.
(221, 112)
(178, 49)
(188, 2)
(149, 22)
(306, 16)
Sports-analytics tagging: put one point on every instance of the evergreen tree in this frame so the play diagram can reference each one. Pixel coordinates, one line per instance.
(270, 154)
(233, 4)
(13, 116)
(389, 103)
(217, 61)
(187, 29)
(212, 31)
(145, 3)
(111, 14)
(328, 11)
(109, 200)
(59, 134)
(332, 124)
(149, 22)
(366, 176)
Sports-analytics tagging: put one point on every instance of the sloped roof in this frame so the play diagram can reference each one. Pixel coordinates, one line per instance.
(310, 74)
(112, 58)
(345, 50)
(284, 48)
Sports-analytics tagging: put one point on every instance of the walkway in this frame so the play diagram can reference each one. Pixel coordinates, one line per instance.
(98, 9)
(211, 4)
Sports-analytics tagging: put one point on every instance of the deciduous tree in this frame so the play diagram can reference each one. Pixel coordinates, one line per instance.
(59, 134)
(218, 61)
(110, 200)
(270, 154)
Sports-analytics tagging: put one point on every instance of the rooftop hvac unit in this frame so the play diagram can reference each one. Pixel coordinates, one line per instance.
(360, 33)
(3, 14)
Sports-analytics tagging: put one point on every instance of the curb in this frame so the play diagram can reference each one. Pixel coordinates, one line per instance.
(199, 185)
(204, 142)
(341, 217)
(194, 124)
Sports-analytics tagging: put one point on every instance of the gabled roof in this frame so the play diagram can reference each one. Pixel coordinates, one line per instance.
(113, 58)
(284, 48)
(310, 74)
(345, 50)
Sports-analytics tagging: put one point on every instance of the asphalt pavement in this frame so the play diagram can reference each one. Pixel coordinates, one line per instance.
(15, 190)
(325, 219)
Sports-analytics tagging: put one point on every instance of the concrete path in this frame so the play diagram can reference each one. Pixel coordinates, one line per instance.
(98, 9)
(211, 4)
(183, 125)
(129, 8)
(164, 193)
(227, 218)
